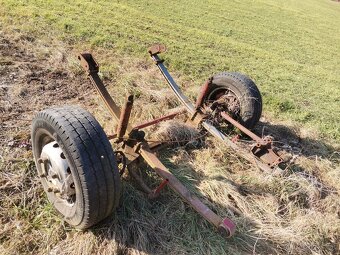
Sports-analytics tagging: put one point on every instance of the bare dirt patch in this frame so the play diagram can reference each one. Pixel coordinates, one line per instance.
(32, 77)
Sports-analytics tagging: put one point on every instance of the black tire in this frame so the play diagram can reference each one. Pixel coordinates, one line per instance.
(92, 164)
(246, 92)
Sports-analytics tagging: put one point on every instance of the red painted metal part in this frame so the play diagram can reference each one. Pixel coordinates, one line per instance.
(155, 121)
(225, 226)
(229, 225)
(161, 186)
(235, 139)
(155, 193)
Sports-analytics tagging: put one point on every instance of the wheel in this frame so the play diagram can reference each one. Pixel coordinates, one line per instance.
(76, 165)
(236, 94)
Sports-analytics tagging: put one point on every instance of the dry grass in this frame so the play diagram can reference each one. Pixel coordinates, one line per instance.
(293, 212)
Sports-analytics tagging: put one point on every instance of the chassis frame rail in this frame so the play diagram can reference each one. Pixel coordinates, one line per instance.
(134, 146)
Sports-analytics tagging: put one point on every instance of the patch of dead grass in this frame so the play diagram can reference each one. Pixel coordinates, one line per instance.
(294, 212)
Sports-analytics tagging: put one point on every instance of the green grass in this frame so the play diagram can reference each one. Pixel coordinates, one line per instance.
(290, 48)
(295, 212)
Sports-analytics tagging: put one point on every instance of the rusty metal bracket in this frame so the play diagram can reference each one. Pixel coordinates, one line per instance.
(156, 49)
(263, 147)
(89, 64)
(265, 152)
(155, 193)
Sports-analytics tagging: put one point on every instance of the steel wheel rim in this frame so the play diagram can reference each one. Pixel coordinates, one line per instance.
(56, 173)
(67, 208)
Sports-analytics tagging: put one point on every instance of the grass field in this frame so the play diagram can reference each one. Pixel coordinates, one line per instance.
(290, 48)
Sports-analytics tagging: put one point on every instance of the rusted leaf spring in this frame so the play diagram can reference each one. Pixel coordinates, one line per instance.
(197, 115)
(92, 67)
(140, 148)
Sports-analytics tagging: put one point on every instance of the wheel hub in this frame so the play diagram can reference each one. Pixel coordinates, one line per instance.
(226, 101)
(56, 172)
(222, 101)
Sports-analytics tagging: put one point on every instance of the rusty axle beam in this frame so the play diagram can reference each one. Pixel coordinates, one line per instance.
(253, 136)
(136, 146)
(158, 120)
(265, 158)
(263, 147)
(225, 226)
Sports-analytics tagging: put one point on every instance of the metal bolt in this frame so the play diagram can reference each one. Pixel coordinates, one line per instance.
(49, 189)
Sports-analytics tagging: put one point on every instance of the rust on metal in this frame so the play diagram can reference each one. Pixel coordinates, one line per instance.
(178, 187)
(158, 120)
(124, 117)
(203, 92)
(133, 146)
(156, 49)
(235, 139)
(263, 147)
(89, 64)
(265, 152)
(91, 67)
(197, 119)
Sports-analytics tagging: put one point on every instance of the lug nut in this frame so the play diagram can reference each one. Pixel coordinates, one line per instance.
(49, 189)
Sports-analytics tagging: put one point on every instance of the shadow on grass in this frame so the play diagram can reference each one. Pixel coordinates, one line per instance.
(168, 225)
(289, 138)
